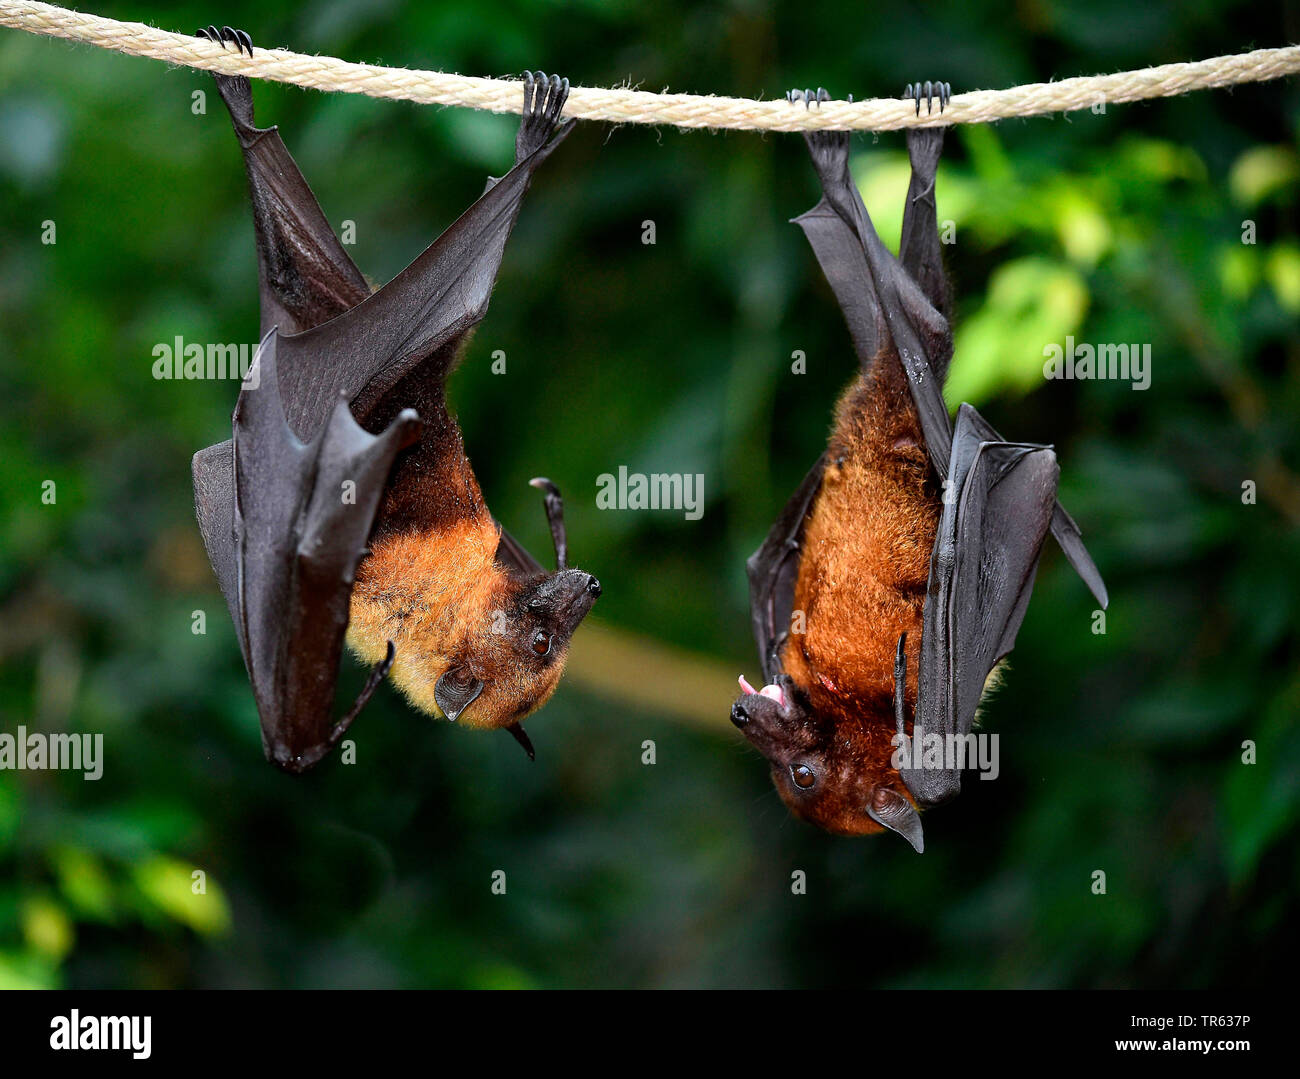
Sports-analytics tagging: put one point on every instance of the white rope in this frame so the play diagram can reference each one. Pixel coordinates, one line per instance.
(639, 107)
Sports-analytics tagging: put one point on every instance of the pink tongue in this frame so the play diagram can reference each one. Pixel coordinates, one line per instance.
(773, 691)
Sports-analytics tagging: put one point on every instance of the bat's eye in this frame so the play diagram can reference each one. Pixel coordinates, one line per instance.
(803, 776)
(541, 642)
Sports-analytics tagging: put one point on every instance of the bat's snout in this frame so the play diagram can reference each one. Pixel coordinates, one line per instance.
(573, 593)
(767, 717)
(584, 587)
(755, 715)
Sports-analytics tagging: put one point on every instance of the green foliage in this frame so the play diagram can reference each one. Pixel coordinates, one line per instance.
(1122, 752)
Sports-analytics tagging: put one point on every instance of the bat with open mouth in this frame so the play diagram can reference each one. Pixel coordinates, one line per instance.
(895, 579)
(344, 507)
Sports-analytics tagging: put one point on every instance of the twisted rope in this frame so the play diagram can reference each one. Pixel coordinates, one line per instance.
(639, 107)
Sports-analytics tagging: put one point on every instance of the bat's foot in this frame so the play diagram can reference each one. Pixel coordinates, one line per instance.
(544, 98)
(809, 98)
(829, 149)
(235, 90)
(925, 144)
(929, 92)
(240, 38)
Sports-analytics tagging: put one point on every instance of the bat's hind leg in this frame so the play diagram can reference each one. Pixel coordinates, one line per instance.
(544, 98)
(919, 249)
(829, 149)
(305, 276)
(235, 90)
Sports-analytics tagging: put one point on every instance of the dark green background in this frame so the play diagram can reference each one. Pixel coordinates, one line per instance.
(1120, 752)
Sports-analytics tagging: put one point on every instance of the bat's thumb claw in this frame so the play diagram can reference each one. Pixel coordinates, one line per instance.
(525, 743)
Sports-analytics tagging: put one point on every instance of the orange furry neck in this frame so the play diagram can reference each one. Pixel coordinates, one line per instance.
(428, 593)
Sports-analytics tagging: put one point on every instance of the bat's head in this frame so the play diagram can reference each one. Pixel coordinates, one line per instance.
(511, 668)
(516, 662)
(481, 631)
(830, 773)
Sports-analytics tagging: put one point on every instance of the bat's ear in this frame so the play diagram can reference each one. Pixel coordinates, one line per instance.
(891, 809)
(455, 691)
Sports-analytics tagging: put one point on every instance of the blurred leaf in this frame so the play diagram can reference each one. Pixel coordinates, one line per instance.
(1262, 170)
(1000, 345)
(46, 927)
(26, 972)
(1084, 231)
(1283, 273)
(1239, 270)
(169, 886)
(84, 883)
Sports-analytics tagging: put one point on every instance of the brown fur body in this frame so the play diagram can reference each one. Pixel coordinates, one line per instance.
(862, 581)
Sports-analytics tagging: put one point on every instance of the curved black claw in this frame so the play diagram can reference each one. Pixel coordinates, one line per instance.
(240, 38)
(544, 98)
(809, 98)
(235, 90)
(517, 733)
(930, 91)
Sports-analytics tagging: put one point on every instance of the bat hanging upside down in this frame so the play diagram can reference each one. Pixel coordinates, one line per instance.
(909, 546)
(344, 504)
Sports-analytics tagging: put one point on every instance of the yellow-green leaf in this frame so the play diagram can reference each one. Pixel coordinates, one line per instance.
(47, 929)
(1283, 273)
(1260, 171)
(169, 885)
(1031, 303)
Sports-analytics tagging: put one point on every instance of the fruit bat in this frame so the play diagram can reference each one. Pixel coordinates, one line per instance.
(895, 579)
(344, 505)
